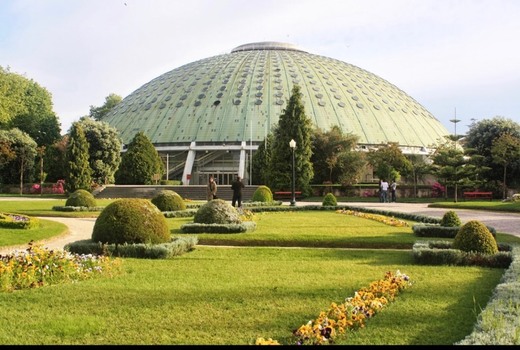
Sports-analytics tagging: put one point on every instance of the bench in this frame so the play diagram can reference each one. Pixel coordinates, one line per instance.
(286, 194)
(478, 195)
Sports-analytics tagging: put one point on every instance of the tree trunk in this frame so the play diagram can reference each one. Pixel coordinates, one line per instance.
(504, 185)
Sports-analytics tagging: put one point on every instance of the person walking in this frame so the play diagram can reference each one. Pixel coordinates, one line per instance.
(211, 192)
(393, 187)
(237, 187)
(384, 191)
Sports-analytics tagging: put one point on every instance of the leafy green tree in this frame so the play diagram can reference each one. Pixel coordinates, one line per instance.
(388, 161)
(44, 129)
(97, 113)
(12, 91)
(25, 105)
(505, 150)
(334, 157)
(6, 152)
(78, 172)
(139, 163)
(293, 124)
(480, 138)
(104, 149)
(16, 169)
(418, 170)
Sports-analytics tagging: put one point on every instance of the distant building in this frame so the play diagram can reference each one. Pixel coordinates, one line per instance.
(209, 116)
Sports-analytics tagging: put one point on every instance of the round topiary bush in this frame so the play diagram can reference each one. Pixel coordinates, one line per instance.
(450, 219)
(217, 211)
(81, 198)
(262, 194)
(474, 236)
(169, 201)
(329, 200)
(131, 220)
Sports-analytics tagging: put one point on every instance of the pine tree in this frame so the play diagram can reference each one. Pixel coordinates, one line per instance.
(293, 124)
(78, 172)
(139, 163)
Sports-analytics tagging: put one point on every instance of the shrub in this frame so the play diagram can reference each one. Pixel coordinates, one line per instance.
(474, 236)
(169, 201)
(81, 198)
(262, 194)
(450, 219)
(217, 211)
(131, 220)
(329, 200)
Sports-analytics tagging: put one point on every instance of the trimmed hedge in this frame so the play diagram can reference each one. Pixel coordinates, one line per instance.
(176, 247)
(442, 253)
(246, 226)
(73, 208)
(424, 230)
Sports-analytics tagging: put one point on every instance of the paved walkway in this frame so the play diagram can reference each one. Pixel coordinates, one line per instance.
(81, 228)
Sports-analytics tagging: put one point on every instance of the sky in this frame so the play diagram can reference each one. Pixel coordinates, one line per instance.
(460, 59)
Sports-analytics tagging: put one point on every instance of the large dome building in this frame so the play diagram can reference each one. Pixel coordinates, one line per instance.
(209, 116)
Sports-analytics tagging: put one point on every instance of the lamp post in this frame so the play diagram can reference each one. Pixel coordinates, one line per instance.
(292, 144)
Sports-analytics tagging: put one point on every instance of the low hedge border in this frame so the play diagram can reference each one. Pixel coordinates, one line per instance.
(441, 253)
(405, 216)
(246, 226)
(180, 213)
(72, 208)
(176, 247)
(432, 230)
(499, 321)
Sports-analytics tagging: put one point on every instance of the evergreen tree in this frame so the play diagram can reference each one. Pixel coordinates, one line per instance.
(261, 160)
(78, 172)
(55, 160)
(451, 167)
(293, 124)
(139, 163)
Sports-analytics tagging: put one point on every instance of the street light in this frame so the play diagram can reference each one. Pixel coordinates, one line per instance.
(292, 144)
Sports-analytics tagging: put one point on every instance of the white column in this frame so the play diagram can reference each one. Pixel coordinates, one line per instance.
(188, 166)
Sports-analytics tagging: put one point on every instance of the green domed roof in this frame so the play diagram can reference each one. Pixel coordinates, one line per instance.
(238, 96)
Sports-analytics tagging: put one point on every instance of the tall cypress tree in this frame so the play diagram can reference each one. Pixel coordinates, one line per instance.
(139, 163)
(78, 172)
(293, 124)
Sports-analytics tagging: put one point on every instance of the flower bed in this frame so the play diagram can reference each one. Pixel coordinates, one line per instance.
(351, 314)
(18, 221)
(36, 267)
(380, 218)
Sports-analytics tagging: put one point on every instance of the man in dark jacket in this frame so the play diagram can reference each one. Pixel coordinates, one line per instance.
(237, 187)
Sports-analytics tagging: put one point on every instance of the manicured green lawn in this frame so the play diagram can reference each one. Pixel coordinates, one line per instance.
(222, 296)
(234, 295)
(311, 229)
(495, 205)
(21, 237)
